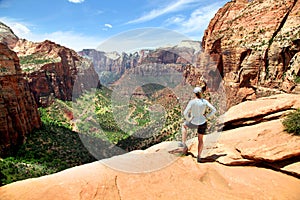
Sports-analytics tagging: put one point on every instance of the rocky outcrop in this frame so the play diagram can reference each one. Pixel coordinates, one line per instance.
(54, 71)
(184, 178)
(263, 109)
(255, 44)
(18, 110)
(7, 36)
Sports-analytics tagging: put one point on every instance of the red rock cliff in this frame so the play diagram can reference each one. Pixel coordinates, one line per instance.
(18, 110)
(256, 45)
(7, 36)
(55, 71)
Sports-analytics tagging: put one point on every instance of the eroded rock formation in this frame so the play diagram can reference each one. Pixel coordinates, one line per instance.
(112, 65)
(7, 36)
(255, 44)
(18, 109)
(54, 71)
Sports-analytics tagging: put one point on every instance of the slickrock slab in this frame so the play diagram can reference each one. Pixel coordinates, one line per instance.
(184, 179)
(249, 110)
(271, 146)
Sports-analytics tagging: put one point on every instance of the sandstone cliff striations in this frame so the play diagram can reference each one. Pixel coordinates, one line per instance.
(18, 110)
(7, 36)
(255, 45)
(112, 65)
(54, 71)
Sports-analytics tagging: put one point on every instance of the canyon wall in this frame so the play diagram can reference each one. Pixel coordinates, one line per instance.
(18, 109)
(255, 45)
(54, 71)
(7, 36)
(112, 65)
(31, 75)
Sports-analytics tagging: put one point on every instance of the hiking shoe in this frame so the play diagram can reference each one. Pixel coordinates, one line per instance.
(199, 160)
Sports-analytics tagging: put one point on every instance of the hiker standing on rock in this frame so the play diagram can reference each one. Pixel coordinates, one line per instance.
(195, 118)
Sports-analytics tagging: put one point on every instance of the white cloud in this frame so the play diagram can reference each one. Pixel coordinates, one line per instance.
(76, 1)
(175, 20)
(18, 27)
(198, 20)
(69, 39)
(108, 25)
(172, 7)
(144, 38)
(72, 40)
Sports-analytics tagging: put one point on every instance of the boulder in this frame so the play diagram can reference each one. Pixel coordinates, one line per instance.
(271, 145)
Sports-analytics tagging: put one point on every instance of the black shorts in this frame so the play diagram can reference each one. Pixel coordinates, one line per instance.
(201, 129)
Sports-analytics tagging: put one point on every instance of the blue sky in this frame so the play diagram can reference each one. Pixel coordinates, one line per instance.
(80, 24)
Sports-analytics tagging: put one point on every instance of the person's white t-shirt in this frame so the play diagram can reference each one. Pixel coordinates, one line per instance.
(196, 108)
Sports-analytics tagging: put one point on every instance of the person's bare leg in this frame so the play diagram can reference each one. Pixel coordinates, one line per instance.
(200, 145)
(184, 134)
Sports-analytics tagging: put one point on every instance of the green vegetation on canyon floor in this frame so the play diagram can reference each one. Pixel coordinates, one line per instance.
(55, 146)
(50, 149)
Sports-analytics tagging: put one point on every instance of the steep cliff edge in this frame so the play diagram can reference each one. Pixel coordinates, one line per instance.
(18, 110)
(256, 45)
(55, 71)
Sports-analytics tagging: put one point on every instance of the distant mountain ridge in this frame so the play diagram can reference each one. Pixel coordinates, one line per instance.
(112, 65)
(116, 63)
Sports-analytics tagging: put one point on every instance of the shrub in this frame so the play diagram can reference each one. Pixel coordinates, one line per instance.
(34, 59)
(292, 122)
(297, 79)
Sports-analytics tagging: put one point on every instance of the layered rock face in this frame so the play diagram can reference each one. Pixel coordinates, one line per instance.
(55, 71)
(184, 53)
(112, 65)
(18, 110)
(7, 36)
(255, 45)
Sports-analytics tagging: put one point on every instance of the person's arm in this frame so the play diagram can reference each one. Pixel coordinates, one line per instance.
(186, 111)
(212, 110)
